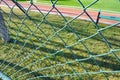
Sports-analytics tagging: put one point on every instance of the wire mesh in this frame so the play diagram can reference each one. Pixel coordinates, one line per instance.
(47, 46)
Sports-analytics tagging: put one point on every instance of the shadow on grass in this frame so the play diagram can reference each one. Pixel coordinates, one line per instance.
(102, 63)
(35, 74)
(67, 55)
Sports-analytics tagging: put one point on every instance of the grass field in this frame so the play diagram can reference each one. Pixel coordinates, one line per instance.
(50, 37)
(111, 5)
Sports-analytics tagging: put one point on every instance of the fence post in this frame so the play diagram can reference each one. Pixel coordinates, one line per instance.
(4, 33)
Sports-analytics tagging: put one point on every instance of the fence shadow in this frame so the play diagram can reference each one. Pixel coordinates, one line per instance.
(35, 74)
(67, 55)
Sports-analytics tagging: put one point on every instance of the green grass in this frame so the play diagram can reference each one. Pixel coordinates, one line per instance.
(111, 5)
(26, 44)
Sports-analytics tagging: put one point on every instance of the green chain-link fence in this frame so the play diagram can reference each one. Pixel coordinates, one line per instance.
(47, 46)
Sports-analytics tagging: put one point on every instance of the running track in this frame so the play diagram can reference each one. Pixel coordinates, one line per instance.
(70, 12)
